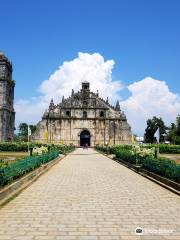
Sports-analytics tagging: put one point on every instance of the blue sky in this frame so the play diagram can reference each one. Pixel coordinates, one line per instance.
(142, 37)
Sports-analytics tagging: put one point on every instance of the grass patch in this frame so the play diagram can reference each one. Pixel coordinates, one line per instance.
(12, 157)
(173, 157)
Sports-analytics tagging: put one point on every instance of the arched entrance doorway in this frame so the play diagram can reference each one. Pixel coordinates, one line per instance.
(85, 138)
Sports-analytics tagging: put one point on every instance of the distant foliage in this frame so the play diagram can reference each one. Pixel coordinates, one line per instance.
(23, 147)
(165, 148)
(174, 132)
(17, 146)
(23, 131)
(152, 125)
(63, 148)
(171, 133)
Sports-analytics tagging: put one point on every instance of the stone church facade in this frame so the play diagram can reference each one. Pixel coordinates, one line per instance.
(83, 119)
(7, 114)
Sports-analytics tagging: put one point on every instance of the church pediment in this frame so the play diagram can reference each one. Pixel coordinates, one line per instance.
(84, 100)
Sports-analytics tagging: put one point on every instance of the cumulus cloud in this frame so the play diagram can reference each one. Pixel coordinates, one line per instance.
(150, 97)
(90, 67)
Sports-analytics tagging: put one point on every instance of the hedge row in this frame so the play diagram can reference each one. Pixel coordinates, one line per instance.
(63, 148)
(166, 148)
(23, 146)
(163, 148)
(15, 170)
(163, 167)
(17, 146)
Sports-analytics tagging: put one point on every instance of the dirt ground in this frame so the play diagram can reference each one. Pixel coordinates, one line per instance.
(175, 157)
(12, 156)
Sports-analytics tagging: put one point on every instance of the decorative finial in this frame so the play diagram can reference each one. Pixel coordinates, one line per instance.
(51, 105)
(72, 93)
(62, 99)
(107, 100)
(117, 108)
(97, 93)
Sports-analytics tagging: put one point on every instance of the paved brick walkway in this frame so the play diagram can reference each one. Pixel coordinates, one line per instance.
(88, 196)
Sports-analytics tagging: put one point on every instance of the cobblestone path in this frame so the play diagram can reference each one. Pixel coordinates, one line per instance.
(88, 196)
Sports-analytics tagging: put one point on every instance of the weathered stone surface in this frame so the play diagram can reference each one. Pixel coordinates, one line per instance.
(88, 196)
(83, 111)
(7, 114)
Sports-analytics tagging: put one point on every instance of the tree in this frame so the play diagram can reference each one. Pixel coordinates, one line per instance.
(152, 126)
(178, 125)
(174, 131)
(171, 133)
(23, 131)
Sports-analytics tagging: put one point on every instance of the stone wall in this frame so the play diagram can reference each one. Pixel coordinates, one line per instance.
(68, 131)
(7, 114)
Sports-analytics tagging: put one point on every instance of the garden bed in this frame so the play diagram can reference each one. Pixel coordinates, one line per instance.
(10, 191)
(16, 170)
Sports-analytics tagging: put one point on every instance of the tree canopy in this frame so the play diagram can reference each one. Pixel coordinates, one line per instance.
(152, 126)
(23, 131)
(174, 131)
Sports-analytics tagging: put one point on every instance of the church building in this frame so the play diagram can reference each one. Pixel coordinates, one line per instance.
(7, 114)
(83, 119)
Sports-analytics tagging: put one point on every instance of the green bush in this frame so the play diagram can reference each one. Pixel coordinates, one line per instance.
(17, 146)
(163, 167)
(23, 146)
(21, 167)
(165, 148)
(63, 148)
(3, 164)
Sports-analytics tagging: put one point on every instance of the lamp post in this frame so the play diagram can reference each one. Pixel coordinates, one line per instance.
(107, 149)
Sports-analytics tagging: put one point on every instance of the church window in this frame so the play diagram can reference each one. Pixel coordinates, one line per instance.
(85, 104)
(68, 114)
(101, 114)
(84, 114)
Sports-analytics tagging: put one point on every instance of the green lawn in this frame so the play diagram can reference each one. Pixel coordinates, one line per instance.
(11, 157)
(174, 157)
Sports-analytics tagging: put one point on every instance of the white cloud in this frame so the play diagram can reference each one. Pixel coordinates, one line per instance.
(90, 67)
(150, 97)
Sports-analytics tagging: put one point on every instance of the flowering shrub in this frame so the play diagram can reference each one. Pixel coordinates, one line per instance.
(3, 164)
(143, 152)
(39, 150)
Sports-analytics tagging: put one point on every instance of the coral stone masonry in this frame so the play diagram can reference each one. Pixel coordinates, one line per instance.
(7, 114)
(83, 119)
